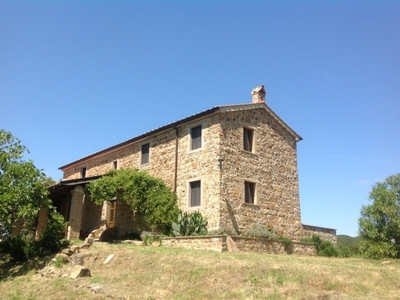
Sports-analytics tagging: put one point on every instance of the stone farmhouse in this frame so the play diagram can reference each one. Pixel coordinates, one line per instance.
(236, 164)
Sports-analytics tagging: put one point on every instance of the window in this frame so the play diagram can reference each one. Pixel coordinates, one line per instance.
(195, 137)
(113, 210)
(115, 165)
(249, 192)
(83, 172)
(195, 193)
(145, 151)
(248, 135)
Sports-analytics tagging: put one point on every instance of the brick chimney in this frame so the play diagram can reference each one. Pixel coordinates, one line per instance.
(258, 94)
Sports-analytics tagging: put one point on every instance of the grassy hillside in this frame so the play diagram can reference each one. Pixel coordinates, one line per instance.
(138, 272)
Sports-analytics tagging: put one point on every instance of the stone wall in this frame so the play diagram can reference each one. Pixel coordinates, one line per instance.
(200, 164)
(272, 166)
(244, 244)
(327, 234)
(222, 166)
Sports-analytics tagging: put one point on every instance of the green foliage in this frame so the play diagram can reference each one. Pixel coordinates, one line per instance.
(286, 241)
(324, 248)
(150, 199)
(261, 231)
(379, 223)
(149, 237)
(24, 246)
(50, 240)
(189, 224)
(15, 246)
(224, 230)
(23, 189)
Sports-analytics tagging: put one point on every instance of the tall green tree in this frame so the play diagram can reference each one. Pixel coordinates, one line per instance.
(379, 224)
(23, 189)
(152, 202)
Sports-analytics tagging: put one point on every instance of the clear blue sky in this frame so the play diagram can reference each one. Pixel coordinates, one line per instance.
(79, 76)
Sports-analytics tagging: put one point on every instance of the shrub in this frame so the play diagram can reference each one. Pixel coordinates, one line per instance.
(224, 230)
(23, 246)
(324, 248)
(288, 243)
(189, 224)
(50, 241)
(153, 203)
(260, 231)
(149, 237)
(378, 250)
(16, 246)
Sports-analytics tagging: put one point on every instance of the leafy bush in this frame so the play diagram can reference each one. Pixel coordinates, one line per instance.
(288, 243)
(149, 237)
(378, 250)
(324, 248)
(24, 246)
(50, 240)
(224, 230)
(260, 231)
(189, 224)
(152, 202)
(15, 246)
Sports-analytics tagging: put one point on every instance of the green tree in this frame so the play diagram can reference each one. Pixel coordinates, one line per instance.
(379, 224)
(151, 200)
(23, 190)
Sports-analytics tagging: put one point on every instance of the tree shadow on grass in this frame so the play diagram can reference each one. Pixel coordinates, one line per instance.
(10, 268)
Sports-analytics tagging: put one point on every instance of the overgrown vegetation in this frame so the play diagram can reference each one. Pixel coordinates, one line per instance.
(189, 224)
(148, 238)
(23, 187)
(24, 246)
(261, 231)
(379, 224)
(23, 193)
(324, 248)
(152, 202)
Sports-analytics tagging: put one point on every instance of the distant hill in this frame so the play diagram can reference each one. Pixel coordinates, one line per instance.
(346, 240)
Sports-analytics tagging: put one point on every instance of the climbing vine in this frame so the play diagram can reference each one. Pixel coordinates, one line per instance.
(150, 199)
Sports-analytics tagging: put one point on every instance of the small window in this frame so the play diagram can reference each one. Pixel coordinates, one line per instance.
(115, 165)
(195, 137)
(249, 192)
(195, 193)
(83, 172)
(248, 135)
(145, 151)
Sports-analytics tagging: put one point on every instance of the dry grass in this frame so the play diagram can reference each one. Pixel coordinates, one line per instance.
(164, 273)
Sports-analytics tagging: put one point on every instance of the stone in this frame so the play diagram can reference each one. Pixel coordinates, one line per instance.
(64, 257)
(77, 260)
(108, 259)
(89, 241)
(95, 288)
(231, 245)
(80, 271)
(67, 251)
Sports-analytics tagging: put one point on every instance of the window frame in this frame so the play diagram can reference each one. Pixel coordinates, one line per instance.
(190, 193)
(196, 139)
(142, 156)
(83, 172)
(250, 187)
(248, 146)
